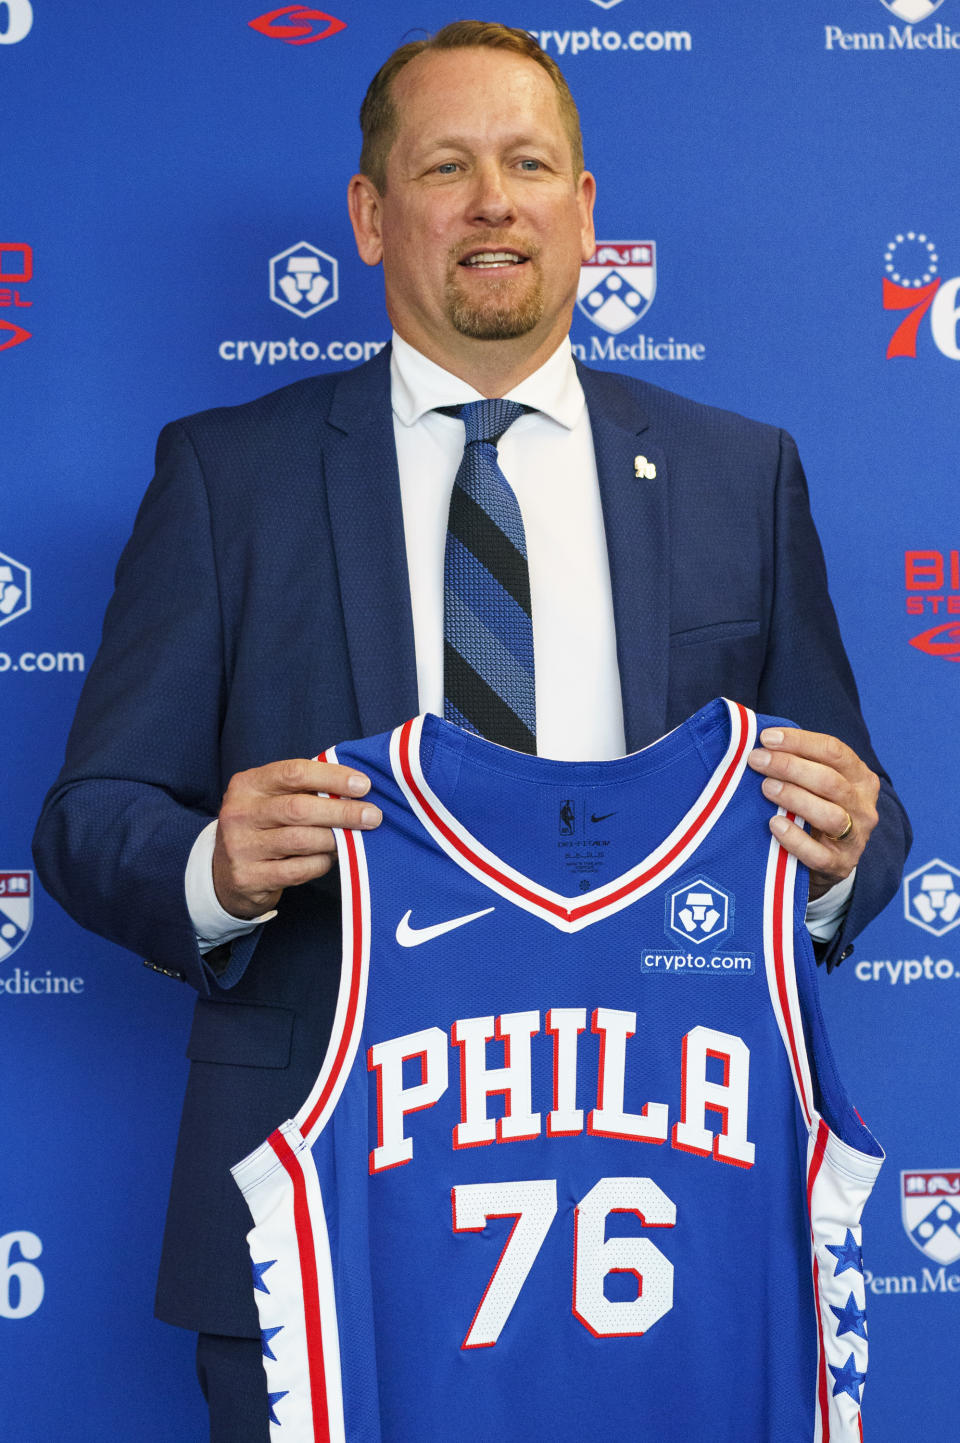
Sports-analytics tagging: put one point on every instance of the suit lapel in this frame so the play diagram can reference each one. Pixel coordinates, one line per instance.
(366, 519)
(636, 521)
(363, 490)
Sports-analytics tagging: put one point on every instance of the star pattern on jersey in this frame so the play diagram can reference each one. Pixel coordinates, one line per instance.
(850, 1318)
(274, 1398)
(848, 1380)
(259, 1286)
(847, 1254)
(266, 1334)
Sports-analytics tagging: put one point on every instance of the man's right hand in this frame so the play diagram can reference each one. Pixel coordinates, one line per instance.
(274, 831)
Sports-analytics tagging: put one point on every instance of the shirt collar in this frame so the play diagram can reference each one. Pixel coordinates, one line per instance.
(419, 385)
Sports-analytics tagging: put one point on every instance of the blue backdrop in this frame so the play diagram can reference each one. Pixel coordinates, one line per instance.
(780, 235)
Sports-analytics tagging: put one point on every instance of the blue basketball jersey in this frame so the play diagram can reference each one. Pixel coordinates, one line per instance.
(578, 1163)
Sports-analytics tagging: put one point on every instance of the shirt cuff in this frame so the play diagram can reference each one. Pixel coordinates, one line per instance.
(211, 923)
(825, 915)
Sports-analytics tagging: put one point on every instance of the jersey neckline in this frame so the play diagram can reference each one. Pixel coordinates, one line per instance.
(566, 913)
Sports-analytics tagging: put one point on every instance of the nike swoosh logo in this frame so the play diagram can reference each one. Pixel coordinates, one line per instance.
(409, 936)
(594, 818)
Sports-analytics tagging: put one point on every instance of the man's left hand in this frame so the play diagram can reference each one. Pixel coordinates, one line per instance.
(819, 779)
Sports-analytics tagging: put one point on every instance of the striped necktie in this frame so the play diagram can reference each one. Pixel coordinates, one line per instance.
(487, 629)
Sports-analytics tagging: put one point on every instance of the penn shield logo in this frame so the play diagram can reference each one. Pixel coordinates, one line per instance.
(618, 284)
(297, 25)
(16, 910)
(930, 1212)
(912, 11)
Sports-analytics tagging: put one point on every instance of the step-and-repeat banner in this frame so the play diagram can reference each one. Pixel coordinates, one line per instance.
(779, 234)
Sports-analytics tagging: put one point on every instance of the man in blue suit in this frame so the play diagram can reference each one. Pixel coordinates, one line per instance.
(282, 591)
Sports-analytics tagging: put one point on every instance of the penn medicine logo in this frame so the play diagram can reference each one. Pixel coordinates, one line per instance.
(699, 911)
(931, 897)
(912, 11)
(618, 284)
(930, 1212)
(304, 279)
(16, 910)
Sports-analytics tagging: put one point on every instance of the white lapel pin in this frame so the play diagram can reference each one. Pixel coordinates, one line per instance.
(643, 469)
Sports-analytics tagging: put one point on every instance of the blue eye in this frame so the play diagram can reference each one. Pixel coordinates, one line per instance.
(447, 167)
(530, 164)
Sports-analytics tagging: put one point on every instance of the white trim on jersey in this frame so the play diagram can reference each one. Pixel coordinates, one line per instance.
(778, 924)
(571, 914)
(839, 1177)
(280, 1184)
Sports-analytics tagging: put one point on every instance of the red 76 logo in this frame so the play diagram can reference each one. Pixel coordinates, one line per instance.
(918, 292)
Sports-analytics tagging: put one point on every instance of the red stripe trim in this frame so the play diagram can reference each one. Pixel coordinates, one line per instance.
(780, 968)
(306, 1251)
(573, 914)
(822, 1394)
(356, 961)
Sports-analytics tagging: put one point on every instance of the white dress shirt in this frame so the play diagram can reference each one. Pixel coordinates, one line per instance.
(548, 458)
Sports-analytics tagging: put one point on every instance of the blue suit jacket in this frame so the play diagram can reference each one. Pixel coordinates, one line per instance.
(262, 611)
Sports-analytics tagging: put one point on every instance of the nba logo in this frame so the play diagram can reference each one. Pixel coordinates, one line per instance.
(16, 910)
(618, 283)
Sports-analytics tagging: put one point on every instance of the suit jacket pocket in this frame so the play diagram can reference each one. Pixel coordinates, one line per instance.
(716, 631)
(242, 1034)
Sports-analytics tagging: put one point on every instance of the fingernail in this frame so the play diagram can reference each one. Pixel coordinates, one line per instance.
(370, 817)
(780, 825)
(759, 758)
(771, 787)
(771, 737)
(357, 784)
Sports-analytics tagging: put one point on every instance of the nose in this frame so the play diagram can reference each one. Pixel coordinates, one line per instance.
(491, 202)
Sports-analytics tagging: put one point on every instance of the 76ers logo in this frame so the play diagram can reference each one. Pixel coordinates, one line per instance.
(930, 1210)
(618, 283)
(16, 910)
(912, 284)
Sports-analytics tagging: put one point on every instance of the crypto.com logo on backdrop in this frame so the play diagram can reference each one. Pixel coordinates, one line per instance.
(304, 279)
(931, 897)
(912, 283)
(14, 589)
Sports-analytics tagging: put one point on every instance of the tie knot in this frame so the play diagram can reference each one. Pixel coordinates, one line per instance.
(487, 420)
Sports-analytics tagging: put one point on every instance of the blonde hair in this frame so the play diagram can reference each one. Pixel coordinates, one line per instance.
(378, 114)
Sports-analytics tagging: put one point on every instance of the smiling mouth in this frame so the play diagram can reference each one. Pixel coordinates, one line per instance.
(492, 260)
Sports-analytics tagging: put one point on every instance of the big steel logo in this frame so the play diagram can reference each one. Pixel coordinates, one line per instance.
(912, 283)
(297, 25)
(16, 271)
(933, 588)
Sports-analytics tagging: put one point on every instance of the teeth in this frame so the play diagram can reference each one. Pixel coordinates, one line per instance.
(493, 258)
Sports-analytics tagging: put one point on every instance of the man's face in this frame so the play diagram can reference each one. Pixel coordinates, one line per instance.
(483, 226)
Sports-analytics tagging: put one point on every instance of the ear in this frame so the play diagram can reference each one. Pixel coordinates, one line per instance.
(364, 205)
(586, 195)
